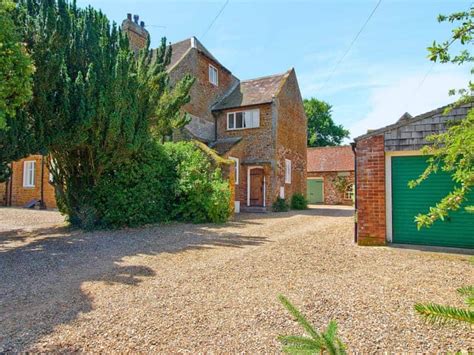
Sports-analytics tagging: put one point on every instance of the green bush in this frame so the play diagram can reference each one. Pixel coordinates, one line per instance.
(280, 205)
(201, 193)
(298, 202)
(138, 191)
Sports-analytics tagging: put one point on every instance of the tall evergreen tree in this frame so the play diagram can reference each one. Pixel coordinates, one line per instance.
(16, 69)
(94, 102)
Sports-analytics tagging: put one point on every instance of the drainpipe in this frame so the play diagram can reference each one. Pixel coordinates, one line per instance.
(42, 204)
(10, 191)
(353, 145)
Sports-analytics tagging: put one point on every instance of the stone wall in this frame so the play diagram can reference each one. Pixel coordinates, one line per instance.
(332, 196)
(370, 195)
(290, 138)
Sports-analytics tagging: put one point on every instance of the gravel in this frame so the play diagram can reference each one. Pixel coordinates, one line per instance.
(213, 288)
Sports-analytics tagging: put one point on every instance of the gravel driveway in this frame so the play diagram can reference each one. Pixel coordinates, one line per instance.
(208, 288)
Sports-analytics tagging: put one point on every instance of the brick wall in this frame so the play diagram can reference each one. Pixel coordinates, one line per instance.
(137, 35)
(332, 196)
(370, 160)
(290, 138)
(21, 195)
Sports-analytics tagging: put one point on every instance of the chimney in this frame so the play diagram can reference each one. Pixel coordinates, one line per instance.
(136, 32)
(142, 24)
(129, 16)
(135, 18)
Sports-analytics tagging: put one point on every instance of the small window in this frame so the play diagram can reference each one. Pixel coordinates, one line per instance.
(213, 75)
(29, 173)
(243, 119)
(237, 169)
(349, 193)
(287, 171)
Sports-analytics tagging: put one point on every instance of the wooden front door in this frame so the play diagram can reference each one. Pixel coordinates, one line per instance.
(256, 187)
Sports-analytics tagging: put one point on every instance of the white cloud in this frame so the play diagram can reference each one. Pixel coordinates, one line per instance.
(389, 102)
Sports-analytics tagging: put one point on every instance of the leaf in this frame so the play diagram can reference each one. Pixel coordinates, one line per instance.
(435, 313)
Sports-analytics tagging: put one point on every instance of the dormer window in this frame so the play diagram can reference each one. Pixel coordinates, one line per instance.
(213, 75)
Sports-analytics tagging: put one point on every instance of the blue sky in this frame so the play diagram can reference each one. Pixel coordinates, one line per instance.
(379, 79)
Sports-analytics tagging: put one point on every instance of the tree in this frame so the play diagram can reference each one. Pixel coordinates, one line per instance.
(16, 69)
(322, 131)
(452, 151)
(94, 103)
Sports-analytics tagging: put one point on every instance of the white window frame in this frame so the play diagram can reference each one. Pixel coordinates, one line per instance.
(29, 167)
(287, 171)
(255, 119)
(213, 69)
(237, 169)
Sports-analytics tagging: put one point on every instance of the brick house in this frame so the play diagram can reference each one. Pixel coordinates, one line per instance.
(260, 124)
(386, 160)
(330, 175)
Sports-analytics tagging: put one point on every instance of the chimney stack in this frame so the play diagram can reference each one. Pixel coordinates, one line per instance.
(135, 18)
(129, 16)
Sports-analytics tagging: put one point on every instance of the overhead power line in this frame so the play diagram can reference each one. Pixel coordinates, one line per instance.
(215, 19)
(350, 46)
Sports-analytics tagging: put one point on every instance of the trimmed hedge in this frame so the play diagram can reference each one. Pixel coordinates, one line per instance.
(298, 202)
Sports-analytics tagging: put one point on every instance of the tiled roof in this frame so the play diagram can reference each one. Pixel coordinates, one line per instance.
(179, 49)
(253, 92)
(222, 146)
(330, 159)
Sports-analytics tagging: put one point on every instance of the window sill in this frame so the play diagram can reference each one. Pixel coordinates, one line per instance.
(240, 129)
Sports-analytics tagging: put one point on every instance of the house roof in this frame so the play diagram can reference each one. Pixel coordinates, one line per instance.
(330, 159)
(222, 146)
(179, 50)
(253, 92)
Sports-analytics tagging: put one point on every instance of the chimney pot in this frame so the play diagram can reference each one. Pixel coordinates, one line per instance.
(135, 18)
(142, 24)
(129, 17)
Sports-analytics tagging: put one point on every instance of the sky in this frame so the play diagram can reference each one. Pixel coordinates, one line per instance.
(385, 74)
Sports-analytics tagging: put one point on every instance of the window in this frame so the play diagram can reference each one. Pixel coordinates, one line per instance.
(237, 169)
(349, 193)
(287, 171)
(243, 119)
(213, 75)
(29, 173)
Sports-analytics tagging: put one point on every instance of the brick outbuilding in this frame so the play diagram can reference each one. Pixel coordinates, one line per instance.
(330, 175)
(386, 160)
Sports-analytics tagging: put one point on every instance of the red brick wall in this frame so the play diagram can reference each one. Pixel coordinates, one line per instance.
(332, 196)
(21, 195)
(370, 158)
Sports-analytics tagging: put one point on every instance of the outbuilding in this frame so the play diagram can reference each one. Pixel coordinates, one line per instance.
(386, 160)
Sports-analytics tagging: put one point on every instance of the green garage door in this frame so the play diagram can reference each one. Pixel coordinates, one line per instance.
(455, 231)
(315, 191)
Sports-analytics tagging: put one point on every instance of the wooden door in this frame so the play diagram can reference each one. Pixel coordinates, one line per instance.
(256, 187)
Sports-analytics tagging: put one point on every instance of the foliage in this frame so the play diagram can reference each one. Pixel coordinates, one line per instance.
(452, 151)
(201, 193)
(435, 313)
(341, 183)
(16, 69)
(95, 104)
(322, 131)
(16, 66)
(280, 205)
(137, 191)
(298, 202)
(326, 341)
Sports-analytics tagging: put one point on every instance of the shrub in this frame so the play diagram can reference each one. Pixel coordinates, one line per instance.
(138, 191)
(298, 202)
(201, 193)
(280, 205)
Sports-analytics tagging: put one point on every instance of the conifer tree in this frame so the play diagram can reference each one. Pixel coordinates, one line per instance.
(94, 102)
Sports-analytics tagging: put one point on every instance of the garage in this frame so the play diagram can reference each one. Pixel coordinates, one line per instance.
(455, 231)
(315, 190)
(386, 160)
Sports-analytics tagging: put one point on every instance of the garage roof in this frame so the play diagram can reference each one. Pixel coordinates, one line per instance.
(322, 159)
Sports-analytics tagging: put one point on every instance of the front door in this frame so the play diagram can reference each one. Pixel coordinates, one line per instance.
(256, 187)
(315, 191)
